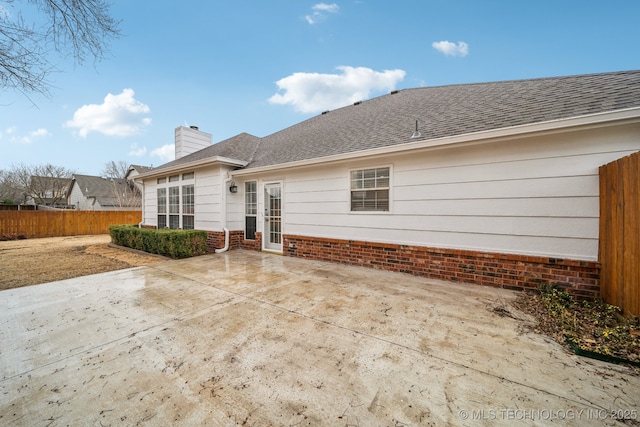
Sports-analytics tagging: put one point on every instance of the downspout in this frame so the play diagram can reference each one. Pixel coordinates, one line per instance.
(224, 216)
(226, 242)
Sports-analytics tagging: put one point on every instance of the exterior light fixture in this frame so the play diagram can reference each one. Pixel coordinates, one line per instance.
(233, 187)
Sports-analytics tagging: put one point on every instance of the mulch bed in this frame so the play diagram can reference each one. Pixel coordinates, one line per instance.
(590, 328)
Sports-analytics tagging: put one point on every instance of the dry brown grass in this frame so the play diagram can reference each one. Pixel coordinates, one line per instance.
(34, 261)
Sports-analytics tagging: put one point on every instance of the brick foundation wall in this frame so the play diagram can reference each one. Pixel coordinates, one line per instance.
(215, 240)
(516, 272)
(252, 245)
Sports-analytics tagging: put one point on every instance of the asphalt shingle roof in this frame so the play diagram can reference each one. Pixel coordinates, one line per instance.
(140, 169)
(448, 111)
(441, 111)
(240, 147)
(103, 189)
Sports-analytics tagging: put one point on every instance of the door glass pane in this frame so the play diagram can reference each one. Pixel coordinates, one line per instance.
(274, 231)
(273, 216)
(250, 228)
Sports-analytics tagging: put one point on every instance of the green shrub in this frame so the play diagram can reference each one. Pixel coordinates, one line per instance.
(171, 243)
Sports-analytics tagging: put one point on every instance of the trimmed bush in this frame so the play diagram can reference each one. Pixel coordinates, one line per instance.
(171, 243)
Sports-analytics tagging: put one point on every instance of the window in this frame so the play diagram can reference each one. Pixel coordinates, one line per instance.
(174, 221)
(187, 222)
(174, 207)
(250, 209)
(176, 204)
(370, 190)
(174, 200)
(162, 208)
(188, 206)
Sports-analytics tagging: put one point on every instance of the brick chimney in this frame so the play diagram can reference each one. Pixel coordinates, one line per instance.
(190, 139)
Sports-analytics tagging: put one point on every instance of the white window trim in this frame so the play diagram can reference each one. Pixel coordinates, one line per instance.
(349, 211)
(261, 209)
(255, 215)
(179, 183)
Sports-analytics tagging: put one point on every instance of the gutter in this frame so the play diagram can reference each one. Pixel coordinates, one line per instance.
(208, 161)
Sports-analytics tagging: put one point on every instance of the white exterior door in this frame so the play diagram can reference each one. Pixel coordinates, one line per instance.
(273, 216)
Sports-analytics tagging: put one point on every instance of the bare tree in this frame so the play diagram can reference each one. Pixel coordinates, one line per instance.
(125, 191)
(42, 184)
(80, 28)
(114, 169)
(10, 190)
(127, 195)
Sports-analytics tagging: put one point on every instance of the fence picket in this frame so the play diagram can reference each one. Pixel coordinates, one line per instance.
(619, 250)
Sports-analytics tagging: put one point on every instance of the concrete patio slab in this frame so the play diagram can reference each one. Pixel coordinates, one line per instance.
(248, 338)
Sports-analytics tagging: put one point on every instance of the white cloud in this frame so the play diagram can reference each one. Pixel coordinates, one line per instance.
(451, 49)
(38, 133)
(314, 92)
(319, 11)
(331, 8)
(136, 151)
(14, 137)
(7, 131)
(167, 152)
(118, 115)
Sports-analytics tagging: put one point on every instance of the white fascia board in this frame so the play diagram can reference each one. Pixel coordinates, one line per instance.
(552, 126)
(209, 161)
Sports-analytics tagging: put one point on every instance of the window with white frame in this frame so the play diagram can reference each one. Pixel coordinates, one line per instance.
(250, 209)
(162, 208)
(188, 206)
(176, 203)
(370, 190)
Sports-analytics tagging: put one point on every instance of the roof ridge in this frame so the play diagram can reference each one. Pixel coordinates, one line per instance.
(531, 79)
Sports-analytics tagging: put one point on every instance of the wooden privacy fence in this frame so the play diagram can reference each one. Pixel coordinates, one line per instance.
(63, 223)
(619, 251)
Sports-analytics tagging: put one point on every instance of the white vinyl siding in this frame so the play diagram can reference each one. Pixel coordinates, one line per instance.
(208, 199)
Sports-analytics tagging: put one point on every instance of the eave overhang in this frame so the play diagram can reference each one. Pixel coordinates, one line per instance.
(189, 166)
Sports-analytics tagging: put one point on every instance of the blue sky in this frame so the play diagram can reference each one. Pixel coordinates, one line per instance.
(260, 66)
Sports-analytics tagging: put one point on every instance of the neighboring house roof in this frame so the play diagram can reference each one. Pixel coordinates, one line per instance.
(57, 187)
(50, 183)
(104, 190)
(137, 169)
(443, 111)
(140, 169)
